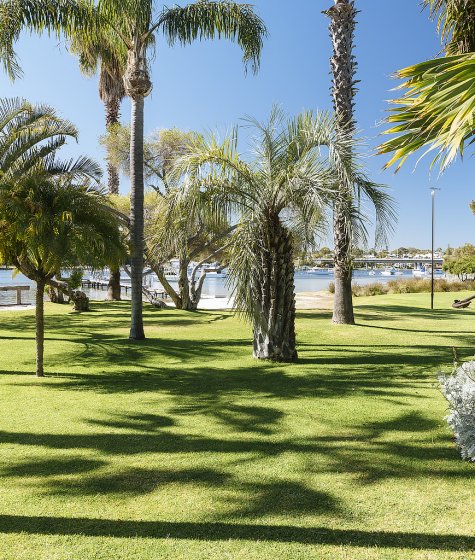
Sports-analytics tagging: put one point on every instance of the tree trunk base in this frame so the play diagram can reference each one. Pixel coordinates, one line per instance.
(80, 300)
(136, 334)
(113, 288)
(159, 304)
(263, 353)
(343, 300)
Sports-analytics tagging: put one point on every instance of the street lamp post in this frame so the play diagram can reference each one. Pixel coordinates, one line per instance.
(432, 192)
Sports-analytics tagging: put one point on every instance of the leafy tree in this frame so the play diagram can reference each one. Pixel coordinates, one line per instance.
(461, 262)
(323, 252)
(174, 225)
(280, 197)
(462, 267)
(437, 110)
(134, 24)
(192, 229)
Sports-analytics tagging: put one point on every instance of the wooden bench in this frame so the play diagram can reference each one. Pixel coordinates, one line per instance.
(18, 290)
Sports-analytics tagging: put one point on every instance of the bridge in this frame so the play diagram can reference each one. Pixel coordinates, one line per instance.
(388, 261)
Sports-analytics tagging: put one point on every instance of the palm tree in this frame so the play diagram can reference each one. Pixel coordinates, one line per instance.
(343, 65)
(111, 60)
(49, 215)
(137, 27)
(29, 138)
(134, 24)
(455, 23)
(46, 224)
(281, 197)
(437, 110)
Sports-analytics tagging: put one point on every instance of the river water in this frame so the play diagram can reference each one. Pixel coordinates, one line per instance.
(213, 286)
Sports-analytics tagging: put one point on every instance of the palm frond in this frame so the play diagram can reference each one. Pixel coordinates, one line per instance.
(208, 19)
(436, 112)
(455, 23)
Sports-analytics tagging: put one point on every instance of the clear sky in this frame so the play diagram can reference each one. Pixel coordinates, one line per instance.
(204, 87)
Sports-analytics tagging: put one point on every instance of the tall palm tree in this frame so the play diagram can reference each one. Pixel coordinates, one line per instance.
(343, 65)
(49, 216)
(111, 60)
(281, 198)
(437, 111)
(135, 24)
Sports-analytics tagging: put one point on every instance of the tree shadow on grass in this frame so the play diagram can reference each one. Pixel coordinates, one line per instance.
(203, 388)
(404, 447)
(394, 313)
(134, 422)
(208, 531)
(107, 316)
(134, 482)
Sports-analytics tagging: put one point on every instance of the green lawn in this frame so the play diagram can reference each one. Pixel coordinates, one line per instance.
(184, 447)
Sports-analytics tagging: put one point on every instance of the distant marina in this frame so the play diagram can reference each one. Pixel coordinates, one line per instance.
(216, 285)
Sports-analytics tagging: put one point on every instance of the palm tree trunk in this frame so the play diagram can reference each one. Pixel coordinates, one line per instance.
(40, 327)
(342, 26)
(113, 287)
(137, 215)
(343, 298)
(112, 108)
(274, 325)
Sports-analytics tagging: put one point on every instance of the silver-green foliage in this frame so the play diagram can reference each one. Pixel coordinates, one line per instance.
(459, 390)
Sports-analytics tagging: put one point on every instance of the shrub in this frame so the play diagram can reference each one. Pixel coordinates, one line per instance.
(374, 289)
(459, 390)
(331, 287)
(413, 286)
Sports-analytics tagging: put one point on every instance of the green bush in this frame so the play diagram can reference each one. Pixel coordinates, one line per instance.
(374, 289)
(412, 286)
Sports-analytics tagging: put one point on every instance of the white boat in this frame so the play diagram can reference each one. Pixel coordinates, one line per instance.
(421, 272)
(388, 272)
(372, 273)
(215, 270)
(425, 272)
(321, 270)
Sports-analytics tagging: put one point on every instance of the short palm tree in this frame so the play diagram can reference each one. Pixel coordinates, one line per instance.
(48, 223)
(437, 111)
(134, 25)
(281, 197)
(49, 216)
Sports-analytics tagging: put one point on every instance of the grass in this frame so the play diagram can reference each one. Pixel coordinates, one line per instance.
(184, 447)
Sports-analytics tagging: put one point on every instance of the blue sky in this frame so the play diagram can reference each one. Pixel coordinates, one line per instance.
(203, 86)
